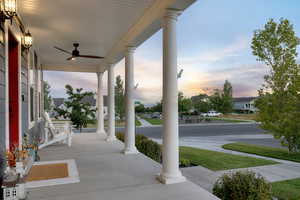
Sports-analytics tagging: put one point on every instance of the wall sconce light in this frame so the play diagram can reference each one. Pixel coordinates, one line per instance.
(27, 40)
(8, 9)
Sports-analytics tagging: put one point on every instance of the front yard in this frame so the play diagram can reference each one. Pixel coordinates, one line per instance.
(241, 116)
(154, 121)
(263, 151)
(215, 161)
(287, 190)
(204, 120)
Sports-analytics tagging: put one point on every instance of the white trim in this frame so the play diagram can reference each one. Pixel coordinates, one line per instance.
(72, 178)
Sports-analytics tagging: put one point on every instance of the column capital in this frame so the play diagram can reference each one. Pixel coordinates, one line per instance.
(99, 73)
(110, 65)
(172, 13)
(130, 49)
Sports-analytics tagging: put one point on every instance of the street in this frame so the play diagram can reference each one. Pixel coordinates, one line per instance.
(213, 133)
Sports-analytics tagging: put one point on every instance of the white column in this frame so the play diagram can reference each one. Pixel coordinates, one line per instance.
(100, 109)
(111, 103)
(129, 104)
(170, 172)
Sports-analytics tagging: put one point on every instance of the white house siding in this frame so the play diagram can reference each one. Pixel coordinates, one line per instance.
(2, 91)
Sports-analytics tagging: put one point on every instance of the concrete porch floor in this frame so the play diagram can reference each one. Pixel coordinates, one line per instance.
(107, 174)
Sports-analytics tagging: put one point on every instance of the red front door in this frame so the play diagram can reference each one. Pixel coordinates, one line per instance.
(13, 87)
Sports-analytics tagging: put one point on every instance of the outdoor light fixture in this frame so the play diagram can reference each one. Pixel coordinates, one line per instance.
(8, 9)
(27, 40)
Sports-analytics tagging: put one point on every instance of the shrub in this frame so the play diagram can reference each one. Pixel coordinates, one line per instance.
(120, 136)
(150, 148)
(185, 162)
(242, 186)
(146, 146)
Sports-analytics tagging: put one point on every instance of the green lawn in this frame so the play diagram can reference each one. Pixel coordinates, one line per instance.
(154, 121)
(229, 120)
(220, 161)
(287, 190)
(263, 151)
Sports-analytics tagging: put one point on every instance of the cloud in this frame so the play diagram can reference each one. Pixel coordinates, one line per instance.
(58, 80)
(246, 80)
(219, 54)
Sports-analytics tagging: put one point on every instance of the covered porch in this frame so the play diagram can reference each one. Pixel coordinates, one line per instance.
(106, 174)
(112, 29)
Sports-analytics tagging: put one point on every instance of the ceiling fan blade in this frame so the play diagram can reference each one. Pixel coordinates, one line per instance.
(60, 49)
(89, 56)
(71, 58)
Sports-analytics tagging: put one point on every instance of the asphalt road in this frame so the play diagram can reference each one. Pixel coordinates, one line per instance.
(217, 131)
(203, 130)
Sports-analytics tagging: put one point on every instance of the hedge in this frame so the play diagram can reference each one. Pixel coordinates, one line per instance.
(146, 146)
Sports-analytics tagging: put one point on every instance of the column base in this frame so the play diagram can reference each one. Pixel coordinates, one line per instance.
(130, 151)
(101, 133)
(171, 179)
(111, 139)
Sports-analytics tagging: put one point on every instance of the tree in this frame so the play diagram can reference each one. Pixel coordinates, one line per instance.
(221, 100)
(201, 103)
(120, 97)
(140, 108)
(47, 97)
(184, 103)
(227, 103)
(77, 111)
(216, 100)
(279, 97)
(157, 107)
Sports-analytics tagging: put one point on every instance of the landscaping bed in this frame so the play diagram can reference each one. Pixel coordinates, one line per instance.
(263, 151)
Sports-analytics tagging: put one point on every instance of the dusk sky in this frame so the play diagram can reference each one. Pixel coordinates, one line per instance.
(214, 38)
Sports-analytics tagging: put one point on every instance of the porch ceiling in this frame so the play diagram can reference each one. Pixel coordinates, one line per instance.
(102, 27)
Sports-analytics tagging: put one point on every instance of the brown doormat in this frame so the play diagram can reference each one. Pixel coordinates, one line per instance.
(48, 171)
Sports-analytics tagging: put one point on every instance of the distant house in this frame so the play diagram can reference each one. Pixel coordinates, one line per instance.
(244, 104)
(59, 103)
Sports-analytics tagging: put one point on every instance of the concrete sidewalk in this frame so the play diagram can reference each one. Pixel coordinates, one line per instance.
(272, 173)
(144, 122)
(206, 178)
(105, 173)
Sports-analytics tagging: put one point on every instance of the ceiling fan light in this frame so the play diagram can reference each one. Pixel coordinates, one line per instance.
(73, 58)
